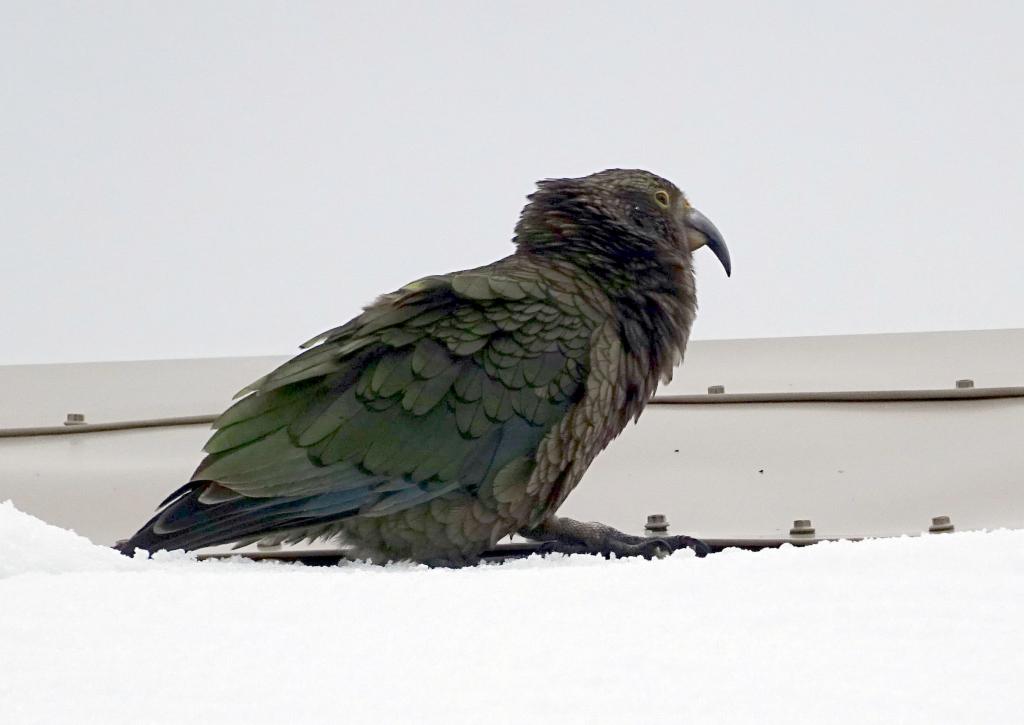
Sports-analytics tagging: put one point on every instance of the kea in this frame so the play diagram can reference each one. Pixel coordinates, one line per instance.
(465, 407)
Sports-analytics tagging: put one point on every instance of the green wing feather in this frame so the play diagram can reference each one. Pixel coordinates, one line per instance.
(442, 385)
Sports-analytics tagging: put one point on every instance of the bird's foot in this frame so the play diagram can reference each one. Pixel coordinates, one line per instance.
(567, 536)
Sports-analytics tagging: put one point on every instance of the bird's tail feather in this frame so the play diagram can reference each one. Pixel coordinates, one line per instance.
(192, 519)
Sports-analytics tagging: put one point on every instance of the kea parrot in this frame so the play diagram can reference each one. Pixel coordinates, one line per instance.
(465, 407)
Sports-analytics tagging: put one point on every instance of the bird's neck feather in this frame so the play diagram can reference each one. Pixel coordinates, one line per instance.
(651, 287)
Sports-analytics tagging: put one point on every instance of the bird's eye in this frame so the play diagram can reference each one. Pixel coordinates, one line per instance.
(661, 198)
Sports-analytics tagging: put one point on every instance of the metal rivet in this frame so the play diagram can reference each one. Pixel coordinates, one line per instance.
(802, 527)
(965, 383)
(941, 525)
(656, 524)
(716, 389)
(75, 419)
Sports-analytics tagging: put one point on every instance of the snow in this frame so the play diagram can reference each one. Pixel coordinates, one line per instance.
(896, 630)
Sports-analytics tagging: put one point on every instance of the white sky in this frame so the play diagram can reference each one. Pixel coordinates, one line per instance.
(189, 179)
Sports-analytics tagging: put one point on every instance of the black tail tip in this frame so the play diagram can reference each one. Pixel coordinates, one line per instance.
(125, 546)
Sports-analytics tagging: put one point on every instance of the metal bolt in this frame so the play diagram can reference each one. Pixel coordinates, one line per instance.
(802, 527)
(656, 524)
(941, 525)
(716, 389)
(75, 419)
(965, 383)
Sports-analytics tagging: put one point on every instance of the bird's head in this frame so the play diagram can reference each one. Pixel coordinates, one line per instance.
(616, 215)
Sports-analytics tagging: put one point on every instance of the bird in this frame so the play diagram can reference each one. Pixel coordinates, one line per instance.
(464, 407)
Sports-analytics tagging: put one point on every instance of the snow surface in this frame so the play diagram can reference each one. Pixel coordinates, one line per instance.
(897, 630)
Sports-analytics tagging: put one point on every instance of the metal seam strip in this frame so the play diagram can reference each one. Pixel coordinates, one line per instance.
(852, 396)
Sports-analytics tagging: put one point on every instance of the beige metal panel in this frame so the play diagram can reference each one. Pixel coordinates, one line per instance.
(744, 470)
(36, 395)
(101, 485)
(993, 358)
(718, 471)
(852, 468)
(39, 395)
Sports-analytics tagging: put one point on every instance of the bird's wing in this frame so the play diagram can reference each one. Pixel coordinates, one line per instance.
(439, 386)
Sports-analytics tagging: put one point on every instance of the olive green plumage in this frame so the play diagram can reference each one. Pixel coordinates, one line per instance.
(462, 407)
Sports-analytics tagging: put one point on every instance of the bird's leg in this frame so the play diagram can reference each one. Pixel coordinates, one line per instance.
(568, 536)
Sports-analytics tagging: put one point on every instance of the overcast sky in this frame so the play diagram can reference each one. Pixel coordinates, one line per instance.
(192, 178)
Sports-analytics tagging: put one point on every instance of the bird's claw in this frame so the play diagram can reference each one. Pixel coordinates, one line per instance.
(567, 536)
(653, 548)
(562, 547)
(663, 546)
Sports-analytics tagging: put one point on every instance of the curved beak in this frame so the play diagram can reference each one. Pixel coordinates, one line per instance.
(702, 232)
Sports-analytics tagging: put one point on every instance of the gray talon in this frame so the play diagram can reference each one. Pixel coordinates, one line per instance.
(566, 536)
